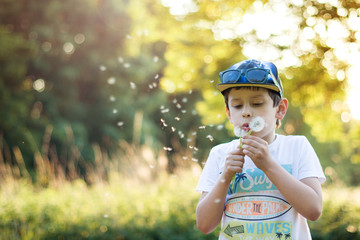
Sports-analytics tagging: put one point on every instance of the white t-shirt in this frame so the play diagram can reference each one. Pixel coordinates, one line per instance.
(256, 209)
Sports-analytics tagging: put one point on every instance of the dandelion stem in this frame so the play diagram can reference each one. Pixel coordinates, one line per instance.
(233, 178)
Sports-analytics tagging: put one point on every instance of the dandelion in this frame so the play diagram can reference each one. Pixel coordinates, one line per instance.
(256, 124)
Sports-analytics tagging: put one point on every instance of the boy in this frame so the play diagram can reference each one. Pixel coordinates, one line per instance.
(278, 178)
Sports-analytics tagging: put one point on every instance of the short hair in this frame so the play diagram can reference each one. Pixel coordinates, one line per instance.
(275, 96)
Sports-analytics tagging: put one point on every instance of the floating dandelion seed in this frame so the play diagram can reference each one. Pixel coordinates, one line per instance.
(185, 158)
(178, 105)
(217, 200)
(202, 127)
(194, 160)
(190, 91)
(177, 118)
(132, 85)
(165, 110)
(169, 149)
(115, 111)
(181, 134)
(128, 36)
(163, 122)
(211, 138)
(120, 60)
(102, 68)
(127, 65)
(219, 127)
(111, 80)
(222, 180)
(106, 215)
(112, 98)
(184, 100)
(120, 123)
(183, 111)
(173, 129)
(156, 76)
(155, 58)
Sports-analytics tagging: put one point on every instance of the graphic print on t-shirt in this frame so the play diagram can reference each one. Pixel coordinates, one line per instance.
(255, 206)
(269, 230)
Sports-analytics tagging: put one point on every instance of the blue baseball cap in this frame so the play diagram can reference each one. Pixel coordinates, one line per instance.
(252, 73)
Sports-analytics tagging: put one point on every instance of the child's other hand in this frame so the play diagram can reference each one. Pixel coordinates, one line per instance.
(234, 163)
(258, 150)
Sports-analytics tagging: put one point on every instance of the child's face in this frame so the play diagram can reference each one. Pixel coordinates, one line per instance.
(246, 104)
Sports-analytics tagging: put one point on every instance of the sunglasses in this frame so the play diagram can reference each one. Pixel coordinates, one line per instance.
(252, 75)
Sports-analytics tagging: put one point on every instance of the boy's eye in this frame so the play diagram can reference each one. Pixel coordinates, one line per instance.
(237, 106)
(257, 103)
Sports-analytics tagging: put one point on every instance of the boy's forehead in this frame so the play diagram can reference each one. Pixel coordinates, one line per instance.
(248, 91)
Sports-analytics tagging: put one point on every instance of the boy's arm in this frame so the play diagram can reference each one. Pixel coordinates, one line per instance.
(211, 205)
(305, 195)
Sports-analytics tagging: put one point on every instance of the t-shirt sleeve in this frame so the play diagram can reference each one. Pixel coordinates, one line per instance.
(210, 173)
(309, 164)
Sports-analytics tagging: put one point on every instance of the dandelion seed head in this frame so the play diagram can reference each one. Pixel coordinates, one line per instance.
(257, 124)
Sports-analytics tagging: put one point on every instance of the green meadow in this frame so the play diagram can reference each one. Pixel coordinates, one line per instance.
(147, 204)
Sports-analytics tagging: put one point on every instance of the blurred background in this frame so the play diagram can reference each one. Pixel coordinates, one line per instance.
(108, 109)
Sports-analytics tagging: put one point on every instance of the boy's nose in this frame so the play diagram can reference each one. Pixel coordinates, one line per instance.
(246, 112)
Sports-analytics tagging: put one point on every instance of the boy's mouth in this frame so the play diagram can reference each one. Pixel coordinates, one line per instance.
(245, 127)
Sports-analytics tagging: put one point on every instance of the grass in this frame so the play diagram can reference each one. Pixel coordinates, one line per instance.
(144, 202)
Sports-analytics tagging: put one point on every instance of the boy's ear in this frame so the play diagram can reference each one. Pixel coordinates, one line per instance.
(282, 108)
(228, 113)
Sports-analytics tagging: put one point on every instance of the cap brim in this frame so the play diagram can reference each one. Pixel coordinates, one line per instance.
(223, 86)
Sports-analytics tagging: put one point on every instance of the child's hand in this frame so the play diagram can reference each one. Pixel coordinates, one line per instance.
(257, 149)
(234, 163)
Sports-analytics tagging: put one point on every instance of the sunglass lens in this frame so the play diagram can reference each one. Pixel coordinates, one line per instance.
(256, 75)
(230, 76)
